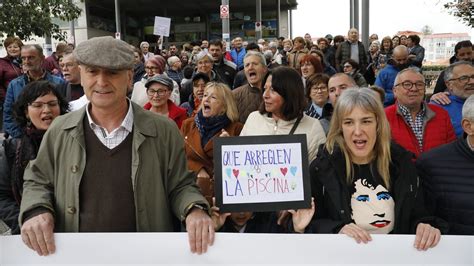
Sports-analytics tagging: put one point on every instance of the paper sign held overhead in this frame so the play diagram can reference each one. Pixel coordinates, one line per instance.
(162, 26)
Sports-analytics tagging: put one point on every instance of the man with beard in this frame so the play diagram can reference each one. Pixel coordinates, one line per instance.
(32, 58)
(386, 77)
(459, 79)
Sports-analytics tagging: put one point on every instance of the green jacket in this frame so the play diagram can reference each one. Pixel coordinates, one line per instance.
(161, 182)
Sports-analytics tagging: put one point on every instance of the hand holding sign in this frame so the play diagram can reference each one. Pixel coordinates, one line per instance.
(302, 217)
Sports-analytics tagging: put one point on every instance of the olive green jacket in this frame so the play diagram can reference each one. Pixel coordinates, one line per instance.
(161, 182)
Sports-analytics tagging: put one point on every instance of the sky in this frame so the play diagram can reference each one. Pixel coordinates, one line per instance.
(318, 17)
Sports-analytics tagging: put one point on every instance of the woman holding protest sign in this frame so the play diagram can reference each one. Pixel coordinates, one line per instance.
(282, 111)
(217, 116)
(365, 184)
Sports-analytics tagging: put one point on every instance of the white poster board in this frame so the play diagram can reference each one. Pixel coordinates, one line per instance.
(261, 173)
(162, 26)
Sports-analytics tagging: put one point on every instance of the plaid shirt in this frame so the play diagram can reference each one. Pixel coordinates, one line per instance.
(417, 125)
(114, 138)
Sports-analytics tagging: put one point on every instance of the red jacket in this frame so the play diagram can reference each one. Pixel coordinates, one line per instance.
(175, 113)
(8, 72)
(437, 129)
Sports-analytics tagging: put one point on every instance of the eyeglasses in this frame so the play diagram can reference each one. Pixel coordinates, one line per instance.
(408, 85)
(160, 93)
(151, 68)
(320, 88)
(41, 105)
(464, 79)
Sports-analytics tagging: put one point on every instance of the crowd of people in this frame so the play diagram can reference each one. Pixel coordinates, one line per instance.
(108, 137)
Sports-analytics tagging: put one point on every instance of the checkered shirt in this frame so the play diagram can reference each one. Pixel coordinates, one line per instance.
(114, 138)
(417, 125)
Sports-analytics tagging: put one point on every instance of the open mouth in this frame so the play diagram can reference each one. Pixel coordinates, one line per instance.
(252, 74)
(380, 223)
(47, 119)
(360, 144)
(206, 107)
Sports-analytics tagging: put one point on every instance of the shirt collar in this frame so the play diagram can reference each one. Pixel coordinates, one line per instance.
(127, 122)
(469, 143)
(406, 112)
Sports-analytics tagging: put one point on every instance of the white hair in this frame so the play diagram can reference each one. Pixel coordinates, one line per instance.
(143, 43)
(468, 108)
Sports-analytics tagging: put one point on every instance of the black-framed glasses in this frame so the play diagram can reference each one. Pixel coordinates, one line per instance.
(152, 92)
(41, 105)
(464, 79)
(322, 88)
(408, 85)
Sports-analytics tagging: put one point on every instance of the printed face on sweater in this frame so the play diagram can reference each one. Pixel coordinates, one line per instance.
(372, 207)
(359, 128)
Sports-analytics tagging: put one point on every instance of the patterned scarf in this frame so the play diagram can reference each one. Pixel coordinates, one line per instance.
(209, 126)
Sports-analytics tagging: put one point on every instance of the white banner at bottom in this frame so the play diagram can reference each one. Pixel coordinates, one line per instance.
(234, 249)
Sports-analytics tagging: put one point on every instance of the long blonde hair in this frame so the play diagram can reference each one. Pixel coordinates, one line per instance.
(367, 100)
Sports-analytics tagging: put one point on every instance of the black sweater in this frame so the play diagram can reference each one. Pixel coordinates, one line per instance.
(448, 174)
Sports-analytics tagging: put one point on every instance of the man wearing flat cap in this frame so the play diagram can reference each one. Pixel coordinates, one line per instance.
(110, 166)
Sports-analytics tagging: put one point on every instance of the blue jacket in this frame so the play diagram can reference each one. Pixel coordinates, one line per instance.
(13, 92)
(238, 57)
(455, 113)
(385, 80)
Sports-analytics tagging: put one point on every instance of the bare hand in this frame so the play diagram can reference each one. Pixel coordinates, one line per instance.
(37, 234)
(426, 236)
(302, 217)
(203, 173)
(441, 98)
(218, 218)
(200, 230)
(283, 217)
(354, 231)
(224, 133)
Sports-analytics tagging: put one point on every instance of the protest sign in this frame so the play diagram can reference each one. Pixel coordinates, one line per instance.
(261, 173)
(162, 26)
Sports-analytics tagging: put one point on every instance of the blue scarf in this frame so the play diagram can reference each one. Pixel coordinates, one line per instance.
(209, 126)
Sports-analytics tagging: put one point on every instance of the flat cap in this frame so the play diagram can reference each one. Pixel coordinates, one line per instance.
(162, 79)
(105, 52)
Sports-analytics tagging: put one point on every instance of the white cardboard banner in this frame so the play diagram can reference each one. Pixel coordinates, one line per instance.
(235, 249)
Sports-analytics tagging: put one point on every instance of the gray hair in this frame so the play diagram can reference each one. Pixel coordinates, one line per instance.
(468, 108)
(414, 70)
(448, 72)
(257, 54)
(173, 59)
(203, 54)
(37, 47)
(273, 45)
(143, 43)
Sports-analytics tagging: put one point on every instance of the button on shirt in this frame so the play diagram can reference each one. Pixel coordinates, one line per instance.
(114, 138)
(417, 125)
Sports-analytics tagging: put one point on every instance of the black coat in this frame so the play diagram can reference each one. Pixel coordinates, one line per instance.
(448, 174)
(261, 222)
(333, 199)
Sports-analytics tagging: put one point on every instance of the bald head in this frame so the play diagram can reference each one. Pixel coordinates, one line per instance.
(400, 55)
